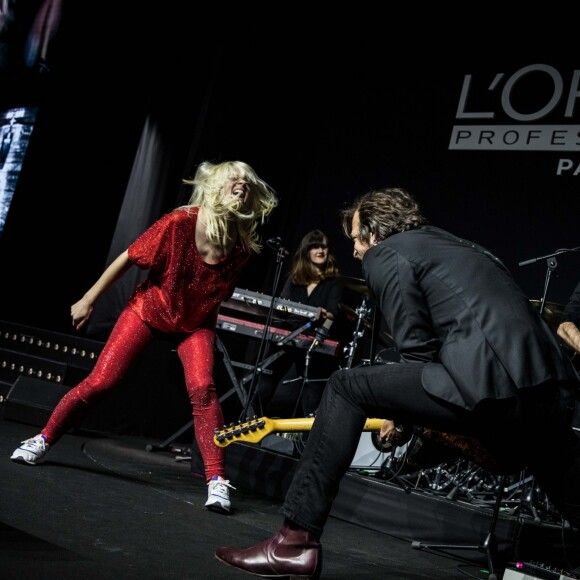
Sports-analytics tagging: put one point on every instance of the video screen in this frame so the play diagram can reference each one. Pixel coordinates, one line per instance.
(15, 130)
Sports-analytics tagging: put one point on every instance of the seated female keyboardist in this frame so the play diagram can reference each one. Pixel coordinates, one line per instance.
(313, 281)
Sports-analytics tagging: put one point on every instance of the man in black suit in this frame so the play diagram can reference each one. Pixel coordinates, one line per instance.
(477, 359)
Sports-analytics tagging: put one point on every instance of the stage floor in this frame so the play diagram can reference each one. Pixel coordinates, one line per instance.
(103, 507)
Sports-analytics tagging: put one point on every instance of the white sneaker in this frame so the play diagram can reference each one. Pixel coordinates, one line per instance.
(218, 494)
(32, 451)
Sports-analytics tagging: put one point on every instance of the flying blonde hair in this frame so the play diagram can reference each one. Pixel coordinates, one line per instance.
(209, 186)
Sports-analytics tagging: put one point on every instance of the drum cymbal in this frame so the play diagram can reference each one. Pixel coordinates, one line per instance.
(552, 311)
(356, 284)
(386, 339)
(353, 316)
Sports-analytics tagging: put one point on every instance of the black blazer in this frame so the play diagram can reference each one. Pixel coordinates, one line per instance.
(453, 305)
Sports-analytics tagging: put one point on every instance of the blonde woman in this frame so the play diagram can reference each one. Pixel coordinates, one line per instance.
(194, 255)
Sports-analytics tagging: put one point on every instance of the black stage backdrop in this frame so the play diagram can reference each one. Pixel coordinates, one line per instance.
(488, 143)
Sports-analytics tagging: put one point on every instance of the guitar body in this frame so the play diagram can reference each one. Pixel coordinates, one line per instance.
(438, 447)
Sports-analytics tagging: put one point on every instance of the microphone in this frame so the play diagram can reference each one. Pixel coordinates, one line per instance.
(320, 334)
(552, 262)
(276, 244)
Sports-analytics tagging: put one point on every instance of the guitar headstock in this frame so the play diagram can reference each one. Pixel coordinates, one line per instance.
(252, 431)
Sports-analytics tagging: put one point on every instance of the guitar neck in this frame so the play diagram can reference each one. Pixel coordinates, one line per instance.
(255, 430)
(299, 424)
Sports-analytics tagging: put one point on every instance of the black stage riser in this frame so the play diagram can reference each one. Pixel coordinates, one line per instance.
(417, 516)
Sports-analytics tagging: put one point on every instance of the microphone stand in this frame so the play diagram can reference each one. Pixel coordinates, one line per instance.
(395, 474)
(359, 330)
(305, 378)
(551, 265)
(294, 334)
(261, 358)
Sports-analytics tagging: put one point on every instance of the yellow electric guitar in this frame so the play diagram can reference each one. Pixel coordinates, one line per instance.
(255, 430)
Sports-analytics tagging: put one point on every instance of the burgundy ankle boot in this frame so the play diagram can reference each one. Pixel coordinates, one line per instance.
(291, 552)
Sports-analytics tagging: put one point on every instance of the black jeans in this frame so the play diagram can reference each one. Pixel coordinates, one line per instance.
(394, 391)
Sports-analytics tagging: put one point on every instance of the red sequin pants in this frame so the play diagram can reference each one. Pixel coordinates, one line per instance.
(129, 337)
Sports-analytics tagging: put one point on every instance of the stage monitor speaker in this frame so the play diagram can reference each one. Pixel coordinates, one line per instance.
(368, 455)
(32, 400)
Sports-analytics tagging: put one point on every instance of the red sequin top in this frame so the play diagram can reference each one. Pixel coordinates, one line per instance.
(181, 292)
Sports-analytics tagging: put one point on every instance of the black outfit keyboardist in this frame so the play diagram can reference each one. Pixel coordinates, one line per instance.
(313, 282)
(326, 295)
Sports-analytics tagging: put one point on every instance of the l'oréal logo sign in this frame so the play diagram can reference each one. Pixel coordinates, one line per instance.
(506, 97)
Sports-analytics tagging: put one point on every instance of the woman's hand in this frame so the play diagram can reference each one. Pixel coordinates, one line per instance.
(324, 314)
(81, 312)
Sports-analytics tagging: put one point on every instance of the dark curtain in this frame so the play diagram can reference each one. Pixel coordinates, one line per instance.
(142, 205)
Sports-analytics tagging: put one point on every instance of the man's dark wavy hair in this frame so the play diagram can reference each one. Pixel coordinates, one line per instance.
(383, 212)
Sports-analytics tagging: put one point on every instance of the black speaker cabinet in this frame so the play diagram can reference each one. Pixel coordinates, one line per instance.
(32, 400)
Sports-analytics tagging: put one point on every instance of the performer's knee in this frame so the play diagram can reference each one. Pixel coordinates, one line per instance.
(202, 395)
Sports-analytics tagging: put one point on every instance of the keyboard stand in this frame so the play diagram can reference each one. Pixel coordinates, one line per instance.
(238, 388)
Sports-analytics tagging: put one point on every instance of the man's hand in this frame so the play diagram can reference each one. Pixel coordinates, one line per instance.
(570, 334)
(387, 430)
(395, 434)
